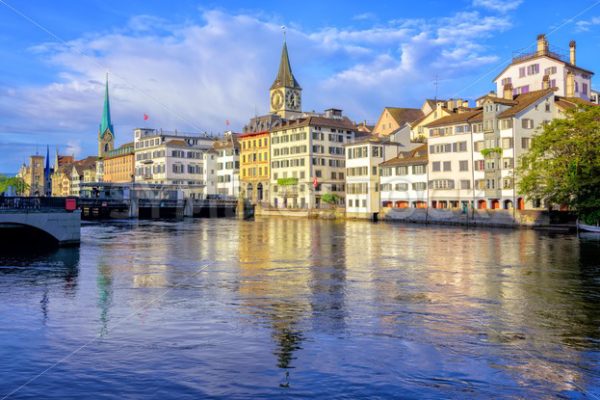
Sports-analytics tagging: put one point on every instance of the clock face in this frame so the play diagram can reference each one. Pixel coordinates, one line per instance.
(277, 100)
(292, 99)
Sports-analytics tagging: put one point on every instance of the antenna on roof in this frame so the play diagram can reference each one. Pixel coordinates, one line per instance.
(436, 83)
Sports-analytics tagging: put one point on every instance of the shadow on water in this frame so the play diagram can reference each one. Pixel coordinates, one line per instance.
(39, 265)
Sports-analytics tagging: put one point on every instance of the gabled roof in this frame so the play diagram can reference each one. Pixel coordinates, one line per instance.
(550, 56)
(524, 101)
(285, 77)
(342, 123)
(417, 156)
(405, 115)
(457, 118)
(572, 102)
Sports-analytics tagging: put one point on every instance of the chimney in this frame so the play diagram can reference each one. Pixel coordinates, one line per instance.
(542, 45)
(465, 104)
(570, 84)
(572, 51)
(508, 91)
(546, 82)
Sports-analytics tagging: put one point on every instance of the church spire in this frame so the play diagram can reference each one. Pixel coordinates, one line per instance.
(285, 77)
(106, 124)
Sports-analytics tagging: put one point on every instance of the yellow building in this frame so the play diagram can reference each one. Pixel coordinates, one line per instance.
(119, 164)
(393, 118)
(255, 165)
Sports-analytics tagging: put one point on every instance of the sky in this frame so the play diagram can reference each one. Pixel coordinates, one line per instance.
(193, 65)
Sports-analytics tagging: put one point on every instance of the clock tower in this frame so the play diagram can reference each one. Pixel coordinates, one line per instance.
(286, 93)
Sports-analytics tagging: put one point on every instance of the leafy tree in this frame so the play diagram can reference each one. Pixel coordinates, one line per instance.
(563, 164)
(17, 183)
(330, 198)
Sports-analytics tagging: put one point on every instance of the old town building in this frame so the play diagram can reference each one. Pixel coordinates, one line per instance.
(403, 182)
(530, 72)
(308, 161)
(119, 164)
(255, 165)
(228, 165)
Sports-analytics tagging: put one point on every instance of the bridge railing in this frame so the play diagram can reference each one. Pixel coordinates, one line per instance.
(32, 204)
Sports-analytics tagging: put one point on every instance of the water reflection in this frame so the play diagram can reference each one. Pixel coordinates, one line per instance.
(306, 308)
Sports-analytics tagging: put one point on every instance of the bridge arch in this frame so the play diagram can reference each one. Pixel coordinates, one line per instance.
(40, 228)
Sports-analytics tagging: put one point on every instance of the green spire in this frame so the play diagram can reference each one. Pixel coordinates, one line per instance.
(106, 124)
(285, 77)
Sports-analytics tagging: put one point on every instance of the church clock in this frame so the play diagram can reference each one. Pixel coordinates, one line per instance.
(277, 100)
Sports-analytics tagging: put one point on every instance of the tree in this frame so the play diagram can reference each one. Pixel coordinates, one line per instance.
(17, 183)
(330, 198)
(563, 164)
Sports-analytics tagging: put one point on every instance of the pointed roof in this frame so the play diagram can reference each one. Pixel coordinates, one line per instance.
(106, 123)
(285, 77)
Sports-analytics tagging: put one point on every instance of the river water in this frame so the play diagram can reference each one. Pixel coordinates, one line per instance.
(295, 308)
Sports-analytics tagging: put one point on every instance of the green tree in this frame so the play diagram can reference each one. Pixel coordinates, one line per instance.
(563, 164)
(330, 198)
(17, 183)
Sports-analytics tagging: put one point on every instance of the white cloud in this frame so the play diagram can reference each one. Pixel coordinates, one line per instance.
(502, 6)
(586, 25)
(195, 76)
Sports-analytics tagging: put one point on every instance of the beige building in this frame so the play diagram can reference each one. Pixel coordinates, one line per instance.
(308, 161)
(393, 119)
(33, 176)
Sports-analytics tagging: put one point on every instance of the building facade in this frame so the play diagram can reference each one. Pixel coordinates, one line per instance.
(228, 165)
(308, 161)
(255, 167)
(529, 72)
(363, 158)
(175, 159)
(403, 181)
(119, 164)
(33, 176)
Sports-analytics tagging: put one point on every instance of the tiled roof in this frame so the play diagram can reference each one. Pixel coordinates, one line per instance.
(524, 101)
(416, 156)
(405, 115)
(457, 118)
(572, 102)
(343, 123)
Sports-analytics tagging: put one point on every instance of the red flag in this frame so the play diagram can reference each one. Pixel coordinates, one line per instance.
(315, 182)
(146, 117)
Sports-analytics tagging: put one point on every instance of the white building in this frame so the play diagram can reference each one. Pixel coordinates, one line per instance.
(403, 179)
(472, 155)
(527, 72)
(307, 160)
(595, 97)
(363, 157)
(174, 159)
(228, 165)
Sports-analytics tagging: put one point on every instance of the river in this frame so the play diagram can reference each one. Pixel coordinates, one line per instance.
(296, 308)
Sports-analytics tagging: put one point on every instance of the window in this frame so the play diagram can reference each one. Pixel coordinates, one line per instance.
(521, 72)
(533, 69)
(419, 186)
(550, 71)
(479, 165)
(584, 88)
(435, 166)
(403, 170)
(463, 165)
(507, 183)
(506, 124)
(507, 143)
(576, 87)
(507, 163)
(465, 184)
(401, 187)
(527, 123)
(447, 166)
(418, 169)
(525, 143)
(441, 184)
(318, 173)
(506, 81)
(375, 170)
(547, 107)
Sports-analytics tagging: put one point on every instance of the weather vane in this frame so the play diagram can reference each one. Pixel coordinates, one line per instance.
(283, 28)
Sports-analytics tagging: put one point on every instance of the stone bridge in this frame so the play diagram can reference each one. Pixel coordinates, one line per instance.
(32, 222)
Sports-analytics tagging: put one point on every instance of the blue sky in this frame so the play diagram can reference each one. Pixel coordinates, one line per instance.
(192, 65)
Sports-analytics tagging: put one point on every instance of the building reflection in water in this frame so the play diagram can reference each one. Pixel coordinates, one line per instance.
(275, 275)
